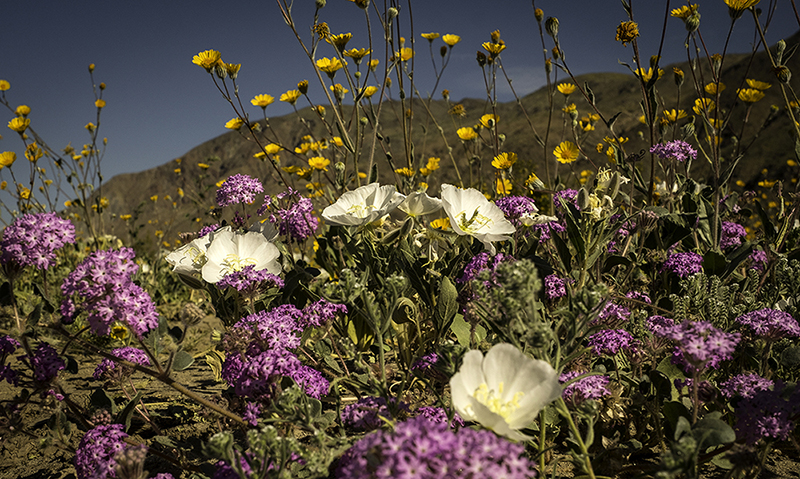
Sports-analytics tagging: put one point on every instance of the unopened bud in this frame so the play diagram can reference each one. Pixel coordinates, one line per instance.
(551, 26)
(302, 87)
(539, 14)
(481, 58)
(91, 67)
(780, 48)
(443, 50)
(693, 22)
(556, 53)
(583, 199)
(391, 13)
(678, 75)
(783, 73)
(320, 3)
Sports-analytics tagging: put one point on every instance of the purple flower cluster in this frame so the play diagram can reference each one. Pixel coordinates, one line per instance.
(554, 287)
(94, 458)
(590, 387)
(439, 416)
(45, 363)
(251, 412)
(101, 285)
(259, 350)
(568, 196)
(295, 220)
(425, 363)
(636, 295)
(246, 279)
(745, 385)
(480, 263)
(611, 341)
(767, 414)
(238, 189)
(111, 370)
(366, 414)
(677, 150)
(547, 229)
(33, 239)
(659, 325)
(731, 235)
(612, 314)
(771, 324)
(683, 264)
(421, 449)
(759, 260)
(515, 207)
(698, 344)
(207, 229)
(7, 347)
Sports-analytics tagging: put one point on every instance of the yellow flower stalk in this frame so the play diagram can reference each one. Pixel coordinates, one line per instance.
(433, 163)
(234, 123)
(262, 100)
(24, 193)
(569, 108)
(451, 39)
(319, 163)
(467, 133)
(290, 96)
(19, 124)
(566, 152)
(741, 4)
(7, 158)
(758, 85)
(203, 166)
(373, 65)
(272, 148)
(627, 32)
(504, 160)
(566, 89)
(339, 91)
(207, 59)
(750, 95)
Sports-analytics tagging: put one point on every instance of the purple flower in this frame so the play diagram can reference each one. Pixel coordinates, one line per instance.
(439, 415)
(683, 264)
(425, 363)
(102, 285)
(639, 297)
(554, 287)
(295, 220)
(611, 341)
(366, 414)
(767, 414)
(677, 150)
(731, 235)
(207, 229)
(516, 207)
(612, 314)
(568, 196)
(94, 458)
(422, 449)
(745, 385)
(45, 363)
(238, 189)
(8, 345)
(659, 325)
(698, 344)
(247, 279)
(33, 239)
(480, 263)
(251, 412)
(771, 324)
(112, 370)
(547, 229)
(223, 470)
(759, 260)
(590, 387)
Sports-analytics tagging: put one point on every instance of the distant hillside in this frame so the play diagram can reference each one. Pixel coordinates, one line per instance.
(230, 153)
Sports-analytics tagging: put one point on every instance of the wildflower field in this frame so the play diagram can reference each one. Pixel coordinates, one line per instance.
(394, 290)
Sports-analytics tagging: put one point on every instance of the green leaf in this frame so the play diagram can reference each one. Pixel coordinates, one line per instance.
(315, 407)
(589, 93)
(124, 417)
(574, 235)
(714, 263)
(214, 359)
(769, 228)
(446, 305)
(182, 360)
(563, 251)
(101, 400)
(711, 432)
(462, 331)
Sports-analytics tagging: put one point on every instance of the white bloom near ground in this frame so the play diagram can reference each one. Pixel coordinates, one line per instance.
(472, 214)
(363, 205)
(419, 203)
(230, 252)
(190, 258)
(503, 391)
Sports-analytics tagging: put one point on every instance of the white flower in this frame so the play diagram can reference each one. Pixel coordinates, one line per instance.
(230, 252)
(363, 205)
(190, 258)
(503, 391)
(419, 203)
(471, 214)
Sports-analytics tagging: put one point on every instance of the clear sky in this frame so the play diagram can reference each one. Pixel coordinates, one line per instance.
(160, 105)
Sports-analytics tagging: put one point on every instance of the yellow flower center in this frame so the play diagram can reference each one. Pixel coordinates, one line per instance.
(233, 263)
(361, 211)
(492, 400)
(475, 222)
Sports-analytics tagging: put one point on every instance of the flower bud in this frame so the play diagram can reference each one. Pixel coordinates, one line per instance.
(91, 67)
(539, 14)
(320, 3)
(391, 13)
(481, 58)
(783, 73)
(780, 48)
(443, 50)
(693, 22)
(302, 87)
(551, 26)
(678, 75)
(583, 199)
(556, 53)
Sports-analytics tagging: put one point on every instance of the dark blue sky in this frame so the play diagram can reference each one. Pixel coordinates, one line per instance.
(160, 105)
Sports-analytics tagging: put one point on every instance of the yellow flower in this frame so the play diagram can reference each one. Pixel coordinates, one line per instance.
(23, 110)
(627, 32)
(4, 85)
(569, 108)
(234, 123)
(429, 36)
(329, 65)
(647, 75)
(712, 88)
(489, 120)
(533, 182)
(451, 39)
(672, 116)
(504, 161)
(467, 133)
(19, 124)
(503, 186)
(90, 126)
(24, 193)
(339, 91)
(758, 85)
(4, 185)
(703, 104)
(458, 110)
(750, 95)
(339, 41)
(319, 163)
(566, 152)
(441, 224)
(203, 166)
(262, 100)
(494, 49)
(684, 12)
(207, 59)
(433, 163)
(272, 149)
(791, 162)
(370, 90)
(7, 158)
(33, 153)
(373, 64)
(290, 96)
(337, 141)
(405, 54)
(740, 5)
(100, 103)
(407, 172)
(357, 54)
(586, 126)
(566, 88)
